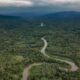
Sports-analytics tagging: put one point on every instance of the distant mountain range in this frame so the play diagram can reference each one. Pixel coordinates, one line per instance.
(58, 15)
(61, 15)
(9, 17)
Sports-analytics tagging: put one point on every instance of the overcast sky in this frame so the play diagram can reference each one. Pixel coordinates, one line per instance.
(29, 3)
(44, 5)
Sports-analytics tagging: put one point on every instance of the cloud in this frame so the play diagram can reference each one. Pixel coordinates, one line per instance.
(35, 2)
(54, 2)
(15, 3)
(40, 5)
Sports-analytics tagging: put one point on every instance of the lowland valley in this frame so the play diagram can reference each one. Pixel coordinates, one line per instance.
(44, 48)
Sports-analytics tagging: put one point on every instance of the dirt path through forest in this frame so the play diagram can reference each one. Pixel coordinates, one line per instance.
(73, 66)
(26, 71)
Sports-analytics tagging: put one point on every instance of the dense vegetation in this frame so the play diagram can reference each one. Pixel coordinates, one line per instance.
(20, 44)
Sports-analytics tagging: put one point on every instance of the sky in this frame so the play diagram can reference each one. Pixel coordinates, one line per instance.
(31, 3)
(10, 6)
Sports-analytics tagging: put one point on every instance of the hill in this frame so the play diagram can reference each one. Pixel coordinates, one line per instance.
(50, 16)
(61, 15)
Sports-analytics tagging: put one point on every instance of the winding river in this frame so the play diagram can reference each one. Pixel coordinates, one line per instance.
(73, 66)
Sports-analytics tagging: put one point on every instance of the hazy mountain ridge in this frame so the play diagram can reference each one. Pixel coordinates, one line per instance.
(62, 15)
(58, 15)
